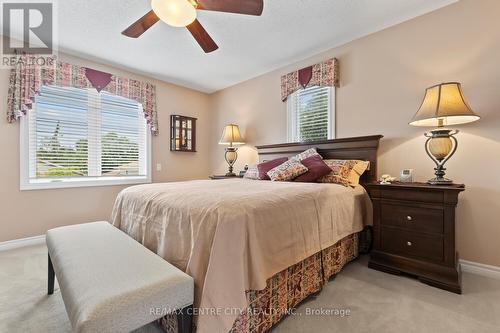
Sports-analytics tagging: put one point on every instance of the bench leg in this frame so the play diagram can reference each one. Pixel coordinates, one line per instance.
(185, 320)
(52, 274)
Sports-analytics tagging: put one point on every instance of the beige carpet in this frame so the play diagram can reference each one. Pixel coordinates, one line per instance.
(377, 302)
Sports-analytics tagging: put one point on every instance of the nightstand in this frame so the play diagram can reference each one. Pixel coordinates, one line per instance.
(414, 232)
(217, 177)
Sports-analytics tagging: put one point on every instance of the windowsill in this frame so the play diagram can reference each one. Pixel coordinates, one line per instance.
(44, 184)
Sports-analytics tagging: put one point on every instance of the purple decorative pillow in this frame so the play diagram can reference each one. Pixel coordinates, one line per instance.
(267, 166)
(317, 169)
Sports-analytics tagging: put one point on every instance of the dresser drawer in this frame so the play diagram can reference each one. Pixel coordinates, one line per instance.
(411, 195)
(412, 218)
(404, 243)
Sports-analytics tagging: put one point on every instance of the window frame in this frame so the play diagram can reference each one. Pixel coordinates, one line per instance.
(291, 125)
(27, 184)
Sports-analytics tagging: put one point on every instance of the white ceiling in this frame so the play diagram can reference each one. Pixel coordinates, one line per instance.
(288, 31)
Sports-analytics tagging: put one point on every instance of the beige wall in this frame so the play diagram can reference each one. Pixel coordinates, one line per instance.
(30, 213)
(383, 77)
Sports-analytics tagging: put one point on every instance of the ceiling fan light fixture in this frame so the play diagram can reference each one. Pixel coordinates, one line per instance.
(177, 13)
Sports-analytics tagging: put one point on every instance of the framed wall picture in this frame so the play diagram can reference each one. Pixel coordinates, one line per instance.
(182, 133)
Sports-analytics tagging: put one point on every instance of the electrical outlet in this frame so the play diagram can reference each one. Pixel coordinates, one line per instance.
(158, 167)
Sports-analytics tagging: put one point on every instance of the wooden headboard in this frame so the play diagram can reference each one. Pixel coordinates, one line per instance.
(358, 148)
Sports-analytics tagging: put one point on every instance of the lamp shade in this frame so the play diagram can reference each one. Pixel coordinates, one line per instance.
(444, 104)
(231, 136)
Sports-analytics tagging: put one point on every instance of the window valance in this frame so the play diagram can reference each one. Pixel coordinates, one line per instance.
(324, 74)
(30, 74)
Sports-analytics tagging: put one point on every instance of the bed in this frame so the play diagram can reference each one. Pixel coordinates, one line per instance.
(254, 248)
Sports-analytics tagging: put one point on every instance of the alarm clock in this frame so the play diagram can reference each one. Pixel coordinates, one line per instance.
(406, 176)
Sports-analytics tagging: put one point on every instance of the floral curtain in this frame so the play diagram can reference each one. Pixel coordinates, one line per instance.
(30, 74)
(324, 74)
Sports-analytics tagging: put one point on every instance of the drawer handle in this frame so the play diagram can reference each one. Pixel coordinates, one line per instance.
(409, 243)
(409, 218)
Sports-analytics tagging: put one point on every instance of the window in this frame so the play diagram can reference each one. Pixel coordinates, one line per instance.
(79, 137)
(311, 114)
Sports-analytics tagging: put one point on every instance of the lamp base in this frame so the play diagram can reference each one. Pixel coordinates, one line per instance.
(231, 156)
(440, 181)
(441, 144)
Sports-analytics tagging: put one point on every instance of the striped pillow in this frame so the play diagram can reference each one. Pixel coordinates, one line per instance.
(252, 173)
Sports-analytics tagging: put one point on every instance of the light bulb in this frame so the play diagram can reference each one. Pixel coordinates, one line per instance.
(177, 13)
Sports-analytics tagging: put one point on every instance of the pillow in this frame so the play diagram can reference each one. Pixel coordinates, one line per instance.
(334, 179)
(357, 171)
(343, 172)
(287, 171)
(305, 154)
(252, 173)
(340, 172)
(268, 165)
(316, 169)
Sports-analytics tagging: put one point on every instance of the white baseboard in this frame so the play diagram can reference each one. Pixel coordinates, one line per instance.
(17, 243)
(480, 269)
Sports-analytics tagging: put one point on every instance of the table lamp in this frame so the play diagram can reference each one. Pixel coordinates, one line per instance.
(443, 105)
(231, 136)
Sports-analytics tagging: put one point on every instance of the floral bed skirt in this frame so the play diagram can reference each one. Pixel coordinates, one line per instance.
(286, 289)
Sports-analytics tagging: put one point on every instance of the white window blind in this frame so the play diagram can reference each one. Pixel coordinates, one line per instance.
(311, 114)
(82, 136)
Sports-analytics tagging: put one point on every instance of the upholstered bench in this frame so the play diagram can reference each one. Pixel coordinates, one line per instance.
(111, 283)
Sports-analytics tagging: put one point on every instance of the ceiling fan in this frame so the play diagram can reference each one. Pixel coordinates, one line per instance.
(182, 13)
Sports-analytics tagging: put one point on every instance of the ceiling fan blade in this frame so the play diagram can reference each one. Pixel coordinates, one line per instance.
(202, 37)
(141, 25)
(248, 7)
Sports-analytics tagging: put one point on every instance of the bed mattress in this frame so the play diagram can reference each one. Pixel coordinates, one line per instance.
(233, 235)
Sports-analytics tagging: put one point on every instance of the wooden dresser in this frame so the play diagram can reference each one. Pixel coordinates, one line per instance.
(414, 232)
